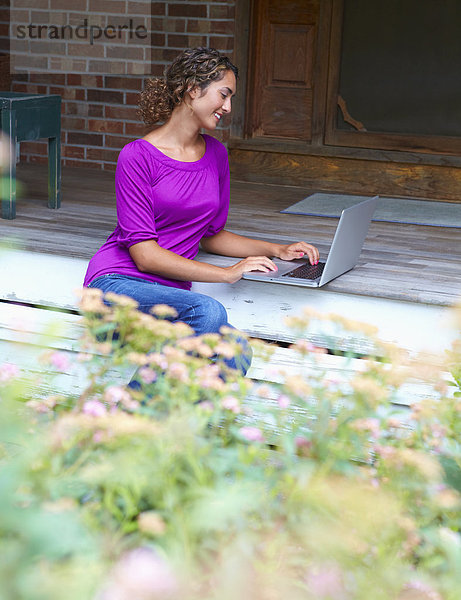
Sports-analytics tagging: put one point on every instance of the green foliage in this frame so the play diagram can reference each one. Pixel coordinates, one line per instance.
(203, 484)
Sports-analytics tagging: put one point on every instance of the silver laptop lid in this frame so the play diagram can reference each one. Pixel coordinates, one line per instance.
(349, 238)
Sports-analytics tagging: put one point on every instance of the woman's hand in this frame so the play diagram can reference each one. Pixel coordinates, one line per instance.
(252, 263)
(298, 250)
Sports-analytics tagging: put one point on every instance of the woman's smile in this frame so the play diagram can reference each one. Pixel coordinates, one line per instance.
(215, 101)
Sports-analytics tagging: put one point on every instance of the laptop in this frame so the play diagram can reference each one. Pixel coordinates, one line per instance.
(343, 256)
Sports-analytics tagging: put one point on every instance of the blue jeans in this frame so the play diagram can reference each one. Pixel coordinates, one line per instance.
(203, 313)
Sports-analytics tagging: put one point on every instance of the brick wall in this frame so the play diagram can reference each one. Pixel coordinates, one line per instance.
(99, 95)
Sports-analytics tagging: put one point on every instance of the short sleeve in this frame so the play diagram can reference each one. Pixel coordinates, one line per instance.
(133, 190)
(222, 165)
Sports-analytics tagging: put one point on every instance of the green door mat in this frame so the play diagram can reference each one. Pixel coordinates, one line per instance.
(393, 210)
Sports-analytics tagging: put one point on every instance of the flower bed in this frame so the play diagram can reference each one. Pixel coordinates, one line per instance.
(203, 484)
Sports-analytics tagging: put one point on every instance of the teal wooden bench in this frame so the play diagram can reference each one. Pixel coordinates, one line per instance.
(26, 117)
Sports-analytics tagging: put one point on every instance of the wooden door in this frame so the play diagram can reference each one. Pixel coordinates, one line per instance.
(280, 98)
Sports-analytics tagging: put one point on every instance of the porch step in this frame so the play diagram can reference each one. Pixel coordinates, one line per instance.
(27, 333)
(38, 310)
(258, 308)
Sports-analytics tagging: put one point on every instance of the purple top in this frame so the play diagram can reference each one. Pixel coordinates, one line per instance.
(172, 202)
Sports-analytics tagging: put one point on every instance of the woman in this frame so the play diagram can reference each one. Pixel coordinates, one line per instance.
(172, 190)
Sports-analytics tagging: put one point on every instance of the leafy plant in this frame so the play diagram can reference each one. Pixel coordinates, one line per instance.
(198, 483)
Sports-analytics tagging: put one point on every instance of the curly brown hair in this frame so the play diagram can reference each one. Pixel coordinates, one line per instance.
(194, 67)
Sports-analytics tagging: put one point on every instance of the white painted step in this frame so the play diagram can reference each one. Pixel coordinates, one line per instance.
(255, 307)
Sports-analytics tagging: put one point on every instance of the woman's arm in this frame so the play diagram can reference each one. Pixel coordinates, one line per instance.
(231, 244)
(149, 257)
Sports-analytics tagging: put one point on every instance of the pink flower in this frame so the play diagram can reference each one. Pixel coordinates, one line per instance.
(325, 582)
(283, 401)
(206, 406)
(148, 375)
(231, 403)
(302, 442)
(367, 424)
(178, 371)
(140, 574)
(264, 391)
(40, 407)
(252, 434)
(209, 377)
(99, 437)
(303, 445)
(304, 346)
(209, 371)
(423, 590)
(94, 408)
(8, 371)
(115, 394)
(438, 431)
(394, 422)
(385, 452)
(225, 349)
(60, 361)
(158, 359)
(164, 311)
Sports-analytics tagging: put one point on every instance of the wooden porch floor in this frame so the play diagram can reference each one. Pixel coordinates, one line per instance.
(402, 262)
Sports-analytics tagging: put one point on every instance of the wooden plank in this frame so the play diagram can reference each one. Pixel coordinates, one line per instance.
(87, 217)
(41, 279)
(261, 313)
(274, 144)
(341, 370)
(41, 380)
(26, 333)
(47, 328)
(321, 73)
(347, 175)
(258, 308)
(240, 57)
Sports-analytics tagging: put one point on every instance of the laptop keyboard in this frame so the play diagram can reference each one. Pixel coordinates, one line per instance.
(307, 271)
